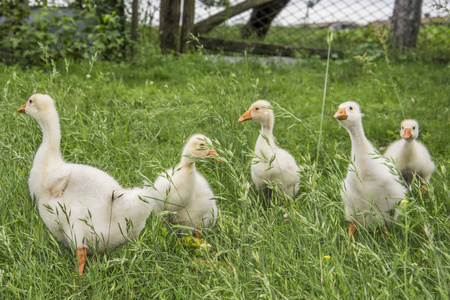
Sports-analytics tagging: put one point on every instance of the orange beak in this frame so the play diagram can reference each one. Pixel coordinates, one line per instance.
(407, 133)
(214, 155)
(246, 116)
(341, 114)
(22, 108)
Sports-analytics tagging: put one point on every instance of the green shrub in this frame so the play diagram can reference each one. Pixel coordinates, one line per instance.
(107, 39)
(24, 33)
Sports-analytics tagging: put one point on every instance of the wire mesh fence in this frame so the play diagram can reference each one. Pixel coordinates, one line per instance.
(357, 25)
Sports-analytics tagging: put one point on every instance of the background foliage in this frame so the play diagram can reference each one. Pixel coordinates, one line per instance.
(76, 34)
(100, 27)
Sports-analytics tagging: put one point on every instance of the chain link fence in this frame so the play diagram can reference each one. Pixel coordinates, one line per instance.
(357, 25)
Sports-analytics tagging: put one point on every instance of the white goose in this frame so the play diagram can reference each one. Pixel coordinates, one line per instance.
(370, 189)
(273, 163)
(185, 191)
(409, 155)
(84, 207)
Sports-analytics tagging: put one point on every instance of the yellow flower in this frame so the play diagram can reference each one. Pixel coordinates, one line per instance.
(195, 242)
(205, 245)
(404, 202)
(327, 257)
(200, 243)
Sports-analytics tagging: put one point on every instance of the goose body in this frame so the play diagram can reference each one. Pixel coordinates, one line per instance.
(185, 191)
(272, 163)
(85, 208)
(410, 156)
(370, 189)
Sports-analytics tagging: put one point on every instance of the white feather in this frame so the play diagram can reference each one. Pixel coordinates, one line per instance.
(410, 156)
(185, 191)
(272, 163)
(82, 206)
(371, 189)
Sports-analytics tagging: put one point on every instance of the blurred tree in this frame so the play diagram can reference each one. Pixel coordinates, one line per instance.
(134, 26)
(134, 20)
(169, 22)
(405, 23)
(188, 24)
(229, 12)
(261, 18)
(216, 2)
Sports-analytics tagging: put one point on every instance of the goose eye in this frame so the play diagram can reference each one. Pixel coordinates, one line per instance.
(403, 127)
(257, 108)
(414, 128)
(350, 107)
(31, 101)
(202, 145)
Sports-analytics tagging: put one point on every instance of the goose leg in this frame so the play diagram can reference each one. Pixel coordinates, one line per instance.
(351, 228)
(424, 189)
(81, 259)
(385, 231)
(197, 234)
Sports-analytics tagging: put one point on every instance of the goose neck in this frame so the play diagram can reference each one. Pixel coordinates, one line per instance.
(267, 129)
(187, 163)
(408, 146)
(51, 138)
(358, 138)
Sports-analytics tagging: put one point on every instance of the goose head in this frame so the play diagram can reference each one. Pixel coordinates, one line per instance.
(348, 114)
(409, 129)
(38, 106)
(260, 111)
(200, 147)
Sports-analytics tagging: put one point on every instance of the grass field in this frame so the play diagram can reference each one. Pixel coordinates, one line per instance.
(132, 121)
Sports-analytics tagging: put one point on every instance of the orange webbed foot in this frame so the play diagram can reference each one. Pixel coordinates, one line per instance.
(424, 189)
(81, 259)
(351, 228)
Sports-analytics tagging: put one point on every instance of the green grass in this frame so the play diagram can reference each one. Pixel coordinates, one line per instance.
(132, 121)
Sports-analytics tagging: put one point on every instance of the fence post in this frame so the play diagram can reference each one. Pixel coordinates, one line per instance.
(188, 24)
(169, 22)
(134, 20)
(405, 23)
(134, 26)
